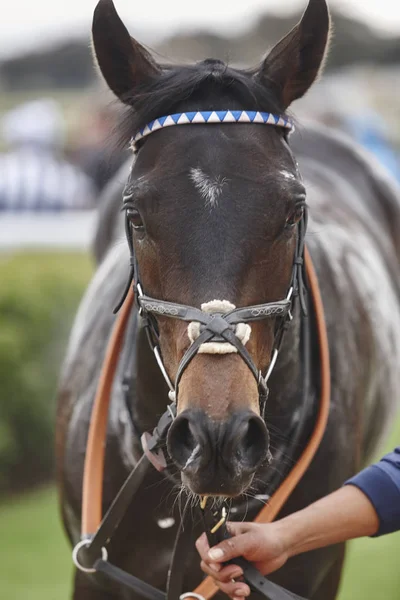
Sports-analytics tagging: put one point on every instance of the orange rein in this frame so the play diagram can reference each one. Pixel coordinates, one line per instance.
(96, 445)
(94, 460)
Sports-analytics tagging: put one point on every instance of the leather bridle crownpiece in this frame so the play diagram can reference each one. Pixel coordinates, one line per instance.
(220, 327)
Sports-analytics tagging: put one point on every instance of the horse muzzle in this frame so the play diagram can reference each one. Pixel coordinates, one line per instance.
(218, 457)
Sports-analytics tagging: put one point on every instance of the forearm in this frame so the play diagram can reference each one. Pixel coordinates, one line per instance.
(343, 515)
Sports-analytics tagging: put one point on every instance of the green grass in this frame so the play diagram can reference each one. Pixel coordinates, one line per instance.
(34, 556)
(38, 298)
(39, 295)
(372, 569)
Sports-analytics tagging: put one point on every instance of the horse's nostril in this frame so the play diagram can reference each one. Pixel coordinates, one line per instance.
(186, 436)
(183, 443)
(253, 442)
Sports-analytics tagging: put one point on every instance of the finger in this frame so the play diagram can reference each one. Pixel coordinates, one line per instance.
(236, 528)
(234, 590)
(233, 547)
(224, 575)
(211, 569)
(203, 547)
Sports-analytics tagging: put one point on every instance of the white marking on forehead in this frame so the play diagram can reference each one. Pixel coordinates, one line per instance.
(287, 175)
(210, 188)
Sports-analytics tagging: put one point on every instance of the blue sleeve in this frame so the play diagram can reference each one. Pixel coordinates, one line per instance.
(381, 484)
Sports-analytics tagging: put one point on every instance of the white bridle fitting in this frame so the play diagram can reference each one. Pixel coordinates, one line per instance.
(242, 330)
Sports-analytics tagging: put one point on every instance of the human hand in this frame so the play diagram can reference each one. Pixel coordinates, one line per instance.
(258, 543)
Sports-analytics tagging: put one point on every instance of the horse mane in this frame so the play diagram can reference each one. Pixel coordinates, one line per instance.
(204, 81)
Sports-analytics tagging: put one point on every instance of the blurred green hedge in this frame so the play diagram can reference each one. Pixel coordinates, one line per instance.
(39, 294)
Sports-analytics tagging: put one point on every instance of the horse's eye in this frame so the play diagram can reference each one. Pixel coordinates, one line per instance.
(135, 219)
(295, 216)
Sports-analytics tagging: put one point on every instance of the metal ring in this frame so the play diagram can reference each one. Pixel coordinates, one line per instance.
(191, 595)
(79, 545)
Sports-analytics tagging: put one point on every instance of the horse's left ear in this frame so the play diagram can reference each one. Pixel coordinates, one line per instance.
(123, 62)
(295, 61)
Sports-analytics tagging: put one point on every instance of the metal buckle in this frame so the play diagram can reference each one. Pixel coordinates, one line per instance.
(75, 552)
(221, 522)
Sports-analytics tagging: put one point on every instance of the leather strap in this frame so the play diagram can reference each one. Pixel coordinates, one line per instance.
(94, 460)
(113, 573)
(183, 541)
(118, 508)
(261, 584)
(256, 312)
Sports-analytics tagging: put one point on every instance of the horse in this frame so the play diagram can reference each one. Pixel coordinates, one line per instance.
(213, 214)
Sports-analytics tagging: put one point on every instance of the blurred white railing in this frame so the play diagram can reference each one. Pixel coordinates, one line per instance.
(72, 230)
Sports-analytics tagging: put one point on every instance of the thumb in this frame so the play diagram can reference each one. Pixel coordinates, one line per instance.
(236, 546)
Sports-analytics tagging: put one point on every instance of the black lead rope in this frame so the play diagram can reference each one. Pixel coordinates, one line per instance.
(115, 574)
(183, 542)
(118, 509)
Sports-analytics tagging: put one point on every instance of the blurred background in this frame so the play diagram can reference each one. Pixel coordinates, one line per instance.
(56, 155)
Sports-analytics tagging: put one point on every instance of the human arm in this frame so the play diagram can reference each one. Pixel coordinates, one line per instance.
(344, 514)
(381, 484)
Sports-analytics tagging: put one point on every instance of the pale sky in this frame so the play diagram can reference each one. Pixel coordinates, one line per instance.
(28, 23)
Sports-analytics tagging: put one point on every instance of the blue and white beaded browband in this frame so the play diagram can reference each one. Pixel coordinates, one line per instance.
(213, 116)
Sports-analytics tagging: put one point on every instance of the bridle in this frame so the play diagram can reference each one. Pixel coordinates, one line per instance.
(217, 327)
(90, 554)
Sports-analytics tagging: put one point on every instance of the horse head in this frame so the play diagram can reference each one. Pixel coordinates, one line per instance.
(213, 217)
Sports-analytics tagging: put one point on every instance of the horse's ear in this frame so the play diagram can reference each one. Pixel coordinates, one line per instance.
(295, 61)
(123, 62)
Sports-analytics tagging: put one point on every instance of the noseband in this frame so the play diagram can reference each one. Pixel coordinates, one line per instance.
(216, 326)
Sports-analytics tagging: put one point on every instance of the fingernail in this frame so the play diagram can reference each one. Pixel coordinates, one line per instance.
(215, 567)
(215, 553)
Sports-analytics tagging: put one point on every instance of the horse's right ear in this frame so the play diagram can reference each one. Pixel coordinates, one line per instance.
(294, 63)
(123, 62)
